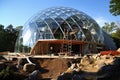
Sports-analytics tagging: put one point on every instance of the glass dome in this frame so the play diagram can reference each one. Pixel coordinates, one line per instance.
(55, 23)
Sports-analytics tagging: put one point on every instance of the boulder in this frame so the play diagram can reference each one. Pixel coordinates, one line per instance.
(116, 62)
(65, 76)
(35, 75)
(118, 50)
(2, 58)
(2, 66)
(99, 63)
(21, 62)
(109, 72)
(29, 67)
(85, 60)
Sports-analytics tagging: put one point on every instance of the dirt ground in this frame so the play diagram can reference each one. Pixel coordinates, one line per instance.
(52, 68)
(55, 67)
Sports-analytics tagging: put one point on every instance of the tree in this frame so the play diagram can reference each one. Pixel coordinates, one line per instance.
(114, 31)
(11, 35)
(110, 27)
(2, 34)
(115, 7)
(118, 23)
(1, 26)
(18, 28)
(116, 37)
(8, 37)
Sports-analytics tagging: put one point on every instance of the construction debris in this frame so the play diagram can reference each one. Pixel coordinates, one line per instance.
(93, 67)
(88, 67)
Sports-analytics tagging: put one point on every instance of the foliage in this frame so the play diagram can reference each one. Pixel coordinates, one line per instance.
(116, 37)
(110, 27)
(1, 26)
(18, 28)
(7, 74)
(115, 7)
(8, 38)
(114, 31)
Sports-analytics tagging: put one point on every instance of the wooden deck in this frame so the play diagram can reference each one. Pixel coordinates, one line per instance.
(52, 56)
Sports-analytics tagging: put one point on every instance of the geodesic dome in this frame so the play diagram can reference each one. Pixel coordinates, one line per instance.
(55, 23)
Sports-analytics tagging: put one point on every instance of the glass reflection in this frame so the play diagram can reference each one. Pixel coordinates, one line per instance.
(55, 23)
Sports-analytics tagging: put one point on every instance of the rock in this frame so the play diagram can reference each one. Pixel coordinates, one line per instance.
(109, 72)
(116, 62)
(65, 76)
(21, 62)
(2, 66)
(99, 65)
(35, 75)
(85, 60)
(29, 67)
(76, 77)
(118, 50)
(2, 58)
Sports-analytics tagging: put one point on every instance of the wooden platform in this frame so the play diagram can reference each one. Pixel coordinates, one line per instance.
(11, 57)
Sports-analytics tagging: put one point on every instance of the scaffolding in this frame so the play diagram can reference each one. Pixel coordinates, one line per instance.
(67, 43)
(70, 47)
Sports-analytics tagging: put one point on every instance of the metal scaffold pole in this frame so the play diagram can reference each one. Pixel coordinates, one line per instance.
(70, 47)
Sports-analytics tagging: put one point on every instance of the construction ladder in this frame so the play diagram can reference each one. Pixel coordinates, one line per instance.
(64, 46)
(70, 47)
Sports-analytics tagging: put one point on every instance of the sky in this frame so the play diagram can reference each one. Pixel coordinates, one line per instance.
(18, 12)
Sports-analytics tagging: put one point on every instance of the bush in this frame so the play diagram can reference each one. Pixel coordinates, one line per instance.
(8, 74)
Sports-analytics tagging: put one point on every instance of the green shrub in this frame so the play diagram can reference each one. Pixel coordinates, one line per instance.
(7, 74)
